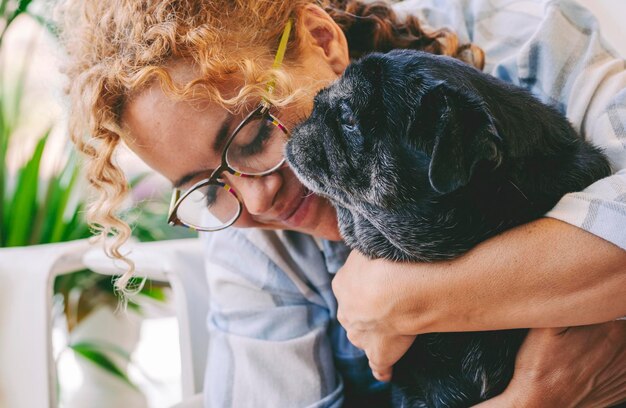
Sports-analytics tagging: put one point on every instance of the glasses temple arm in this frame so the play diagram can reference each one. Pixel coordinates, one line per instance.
(280, 55)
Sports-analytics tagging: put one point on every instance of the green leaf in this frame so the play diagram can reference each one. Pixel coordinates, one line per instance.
(153, 292)
(44, 222)
(3, 7)
(4, 145)
(23, 5)
(94, 353)
(24, 204)
(9, 114)
(63, 283)
(104, 346)
(77, 228)
(67, 183)
(53, 218)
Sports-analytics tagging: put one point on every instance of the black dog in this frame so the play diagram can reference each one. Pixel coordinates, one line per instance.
(424, 157)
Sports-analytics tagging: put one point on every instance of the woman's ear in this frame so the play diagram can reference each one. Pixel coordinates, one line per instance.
(322, 35)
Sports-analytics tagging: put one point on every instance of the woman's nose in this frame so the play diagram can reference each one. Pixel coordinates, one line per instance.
(257, 193)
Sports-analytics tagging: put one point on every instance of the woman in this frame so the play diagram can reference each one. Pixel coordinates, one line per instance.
(173, 79)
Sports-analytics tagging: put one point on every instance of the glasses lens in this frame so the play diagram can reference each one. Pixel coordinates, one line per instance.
(210, 207)
(258, 147)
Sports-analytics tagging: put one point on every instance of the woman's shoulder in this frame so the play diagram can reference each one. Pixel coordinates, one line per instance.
(278, 261)
(259, 242)
(473, 19)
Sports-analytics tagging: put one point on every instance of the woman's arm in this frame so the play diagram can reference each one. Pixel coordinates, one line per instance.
(595, 357)
(543, 274)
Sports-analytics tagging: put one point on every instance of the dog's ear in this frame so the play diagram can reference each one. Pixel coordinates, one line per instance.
(464, 134)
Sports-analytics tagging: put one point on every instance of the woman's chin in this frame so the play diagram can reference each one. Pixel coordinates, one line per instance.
(316, 216)
(321, 221)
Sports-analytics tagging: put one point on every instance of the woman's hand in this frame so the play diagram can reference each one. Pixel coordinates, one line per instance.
(371, 307)
(576, 367)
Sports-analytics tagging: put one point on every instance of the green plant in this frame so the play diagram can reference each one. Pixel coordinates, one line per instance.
(81, 293)
(38, 208)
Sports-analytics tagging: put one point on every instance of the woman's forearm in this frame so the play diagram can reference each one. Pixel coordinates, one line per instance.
(543, 274)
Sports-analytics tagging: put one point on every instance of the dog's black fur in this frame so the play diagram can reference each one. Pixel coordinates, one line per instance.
(424, 157)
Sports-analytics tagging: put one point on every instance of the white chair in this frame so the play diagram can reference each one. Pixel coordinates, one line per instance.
(181, 263)
(27, 370)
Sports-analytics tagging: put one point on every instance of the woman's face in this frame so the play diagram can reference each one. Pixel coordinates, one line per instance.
(183, 140)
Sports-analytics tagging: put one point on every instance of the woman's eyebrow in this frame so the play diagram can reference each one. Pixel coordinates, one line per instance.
(189, 176)
(217, 145)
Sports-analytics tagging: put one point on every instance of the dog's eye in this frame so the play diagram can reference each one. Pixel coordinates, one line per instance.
(347, 117)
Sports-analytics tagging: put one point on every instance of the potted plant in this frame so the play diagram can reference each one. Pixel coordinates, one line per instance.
(38, 209)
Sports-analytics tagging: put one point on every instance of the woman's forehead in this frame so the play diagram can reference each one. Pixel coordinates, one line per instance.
(165, 131)
(153, 116)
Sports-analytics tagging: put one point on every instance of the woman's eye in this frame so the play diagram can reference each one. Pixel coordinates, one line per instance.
(256, 145)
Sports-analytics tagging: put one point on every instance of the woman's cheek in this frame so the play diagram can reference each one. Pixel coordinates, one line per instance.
(245, 220)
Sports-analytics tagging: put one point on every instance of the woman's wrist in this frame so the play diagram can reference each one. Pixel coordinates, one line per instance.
(420, 301)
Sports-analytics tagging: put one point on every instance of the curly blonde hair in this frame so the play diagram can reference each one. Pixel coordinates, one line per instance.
(115, 48)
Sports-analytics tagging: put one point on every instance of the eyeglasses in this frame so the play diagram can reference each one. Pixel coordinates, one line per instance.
(254, 149)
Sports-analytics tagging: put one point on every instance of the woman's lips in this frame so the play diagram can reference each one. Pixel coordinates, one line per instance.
(295, 217)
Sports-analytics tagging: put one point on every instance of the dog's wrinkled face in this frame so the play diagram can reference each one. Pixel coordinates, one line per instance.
(386, 142)
(388, 139)
(353, 148)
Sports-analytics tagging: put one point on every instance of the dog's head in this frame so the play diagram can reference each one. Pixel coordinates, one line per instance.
(393, 130)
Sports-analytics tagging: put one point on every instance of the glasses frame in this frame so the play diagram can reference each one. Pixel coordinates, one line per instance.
(261, 112)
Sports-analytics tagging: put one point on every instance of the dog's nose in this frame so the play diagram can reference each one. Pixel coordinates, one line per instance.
(304, 149)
